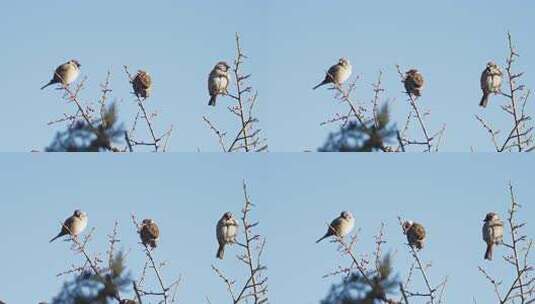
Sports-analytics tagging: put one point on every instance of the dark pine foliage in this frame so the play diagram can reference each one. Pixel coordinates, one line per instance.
(89, 288)
(355, 137)
(81, 137)
(356, 290)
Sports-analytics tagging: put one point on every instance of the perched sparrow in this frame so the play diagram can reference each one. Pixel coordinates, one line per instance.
(337, 74)
(491, 82)
(415, 234)
(149, 233)
(218, 81)
(65, 73)
(142, 84)
(492, 233)
(74, 225)
(226, 231)
(414, 82)
(341, 226)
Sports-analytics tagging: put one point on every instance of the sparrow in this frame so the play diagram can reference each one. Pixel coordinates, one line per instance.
(142, 84)
(65, 73)
(415, 234)
(226, 232)
(149, 233)
(414, 82)
(341, 226)
(337, 74)
(491, 82)
(218, 81)
(492, 233)
(74, 225)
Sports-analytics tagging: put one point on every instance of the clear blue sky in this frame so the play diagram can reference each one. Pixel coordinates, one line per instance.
(295, 197)
(290, 45)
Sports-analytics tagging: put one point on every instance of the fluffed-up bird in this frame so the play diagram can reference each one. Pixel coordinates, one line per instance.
(492, 233)
(74, 225)
(65, 74)
(226, 232)
(337, 74)
(491, 82)
(142, 84)
(415, 234)
(340, 226)
(218, 81)
(149, 233)
(414, 82)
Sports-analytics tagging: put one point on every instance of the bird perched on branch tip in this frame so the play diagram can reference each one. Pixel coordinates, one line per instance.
(65, 74)
(337, 74)
(340, 226)
(73, 225)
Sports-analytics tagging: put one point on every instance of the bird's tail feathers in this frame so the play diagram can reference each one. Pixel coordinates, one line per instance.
(56, 237)
(488, 253)
(46, 85)
(484, 100)
(324, 82)
(220, 252)
(323, 237)
(212, 100)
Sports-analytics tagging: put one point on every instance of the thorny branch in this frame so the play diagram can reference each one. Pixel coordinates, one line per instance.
(168, 292)
(155, 140)
(355, 112)
(522, 288)
(255, 287)
(520, 136)
(360, 264)
(431, 292)
(430, 141)
(248, 136)
(93, 263)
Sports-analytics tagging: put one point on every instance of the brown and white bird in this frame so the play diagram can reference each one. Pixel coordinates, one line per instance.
(149, 233)
(74, 225)
(340, 226)
(492, 233)
(337, 74)
(142, 84)
(414, 82)
(65, 74)
(491, 82)
(226, 232)
(218, 81)
(415, 234)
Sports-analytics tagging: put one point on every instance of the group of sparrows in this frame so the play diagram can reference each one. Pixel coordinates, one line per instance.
(491, 79)
(227, 231)
(68, 72)
(219, 79)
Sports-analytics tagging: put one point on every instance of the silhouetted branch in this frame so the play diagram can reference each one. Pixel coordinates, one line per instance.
(520, 135)
(248, 137)
(377, 280)
(429, 141)
(522, 288)
(165, 292)
(431, 292)
(255, 287)
(155, 140)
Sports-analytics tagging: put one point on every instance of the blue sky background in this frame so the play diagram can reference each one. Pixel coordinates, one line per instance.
(290, 45)
(295, 197)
